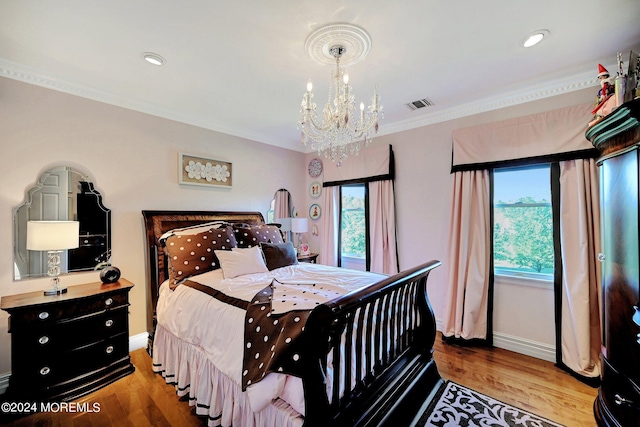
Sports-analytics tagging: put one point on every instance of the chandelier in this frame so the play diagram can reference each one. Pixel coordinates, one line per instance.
(341, 130)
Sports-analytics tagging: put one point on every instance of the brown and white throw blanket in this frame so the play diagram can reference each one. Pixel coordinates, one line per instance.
(275, 319)
(274, 324)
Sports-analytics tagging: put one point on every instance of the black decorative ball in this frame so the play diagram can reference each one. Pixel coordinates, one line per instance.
(110, 274)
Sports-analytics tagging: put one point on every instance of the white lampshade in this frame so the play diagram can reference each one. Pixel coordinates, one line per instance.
(285, 223)
(299, 225)
(52, 235)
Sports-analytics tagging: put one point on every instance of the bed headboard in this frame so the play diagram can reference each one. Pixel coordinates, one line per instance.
(156, 223)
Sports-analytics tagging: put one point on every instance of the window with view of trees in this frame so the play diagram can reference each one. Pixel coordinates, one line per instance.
(523, 222)
(353, 222)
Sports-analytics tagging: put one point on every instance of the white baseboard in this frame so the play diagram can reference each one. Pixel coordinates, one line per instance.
(524, 346)
(519, 345)
(138, 341)
(135, 342)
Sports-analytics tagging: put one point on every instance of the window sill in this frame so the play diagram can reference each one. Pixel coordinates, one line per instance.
(528, 281)
(354, 263)
(353, 257)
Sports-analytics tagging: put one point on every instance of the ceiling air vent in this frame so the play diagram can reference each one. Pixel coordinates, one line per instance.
(420, 103)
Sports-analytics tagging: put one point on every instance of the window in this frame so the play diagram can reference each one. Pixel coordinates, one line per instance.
(523, 222)
(353, 227)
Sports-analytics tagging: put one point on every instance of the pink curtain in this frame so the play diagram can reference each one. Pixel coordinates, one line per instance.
(329, 226)
(581, 276)
(469, 257)
(382, 228)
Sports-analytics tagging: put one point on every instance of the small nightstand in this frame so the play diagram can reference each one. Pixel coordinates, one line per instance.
(308, 258)
(65, 346)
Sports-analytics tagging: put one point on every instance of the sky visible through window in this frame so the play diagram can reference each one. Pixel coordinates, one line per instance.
(510, 186)
(353, 191)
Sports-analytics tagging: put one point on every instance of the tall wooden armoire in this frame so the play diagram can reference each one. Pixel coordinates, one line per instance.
(617, 137)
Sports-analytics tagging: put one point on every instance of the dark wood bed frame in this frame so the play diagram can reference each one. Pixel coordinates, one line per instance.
(401, 377)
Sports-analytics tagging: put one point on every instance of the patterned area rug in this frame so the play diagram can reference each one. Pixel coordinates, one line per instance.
(461, 406)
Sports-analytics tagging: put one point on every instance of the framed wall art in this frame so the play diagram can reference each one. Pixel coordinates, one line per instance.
(315, 189)
(195, 170)
(315, 168)
(315, 211)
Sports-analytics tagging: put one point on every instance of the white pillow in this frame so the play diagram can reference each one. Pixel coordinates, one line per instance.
(240, 261)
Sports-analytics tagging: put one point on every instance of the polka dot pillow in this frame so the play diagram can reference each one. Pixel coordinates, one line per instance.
(192, 254)
(251, 235)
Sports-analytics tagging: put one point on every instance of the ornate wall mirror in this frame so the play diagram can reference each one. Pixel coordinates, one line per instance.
(281, 206)
(63, 193)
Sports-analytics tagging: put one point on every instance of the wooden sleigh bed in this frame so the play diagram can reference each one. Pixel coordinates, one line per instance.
(388, 328)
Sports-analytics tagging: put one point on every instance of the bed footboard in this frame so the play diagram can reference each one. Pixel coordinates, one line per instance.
(384, 336)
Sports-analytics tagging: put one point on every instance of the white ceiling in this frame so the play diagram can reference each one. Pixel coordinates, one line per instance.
(240, 67)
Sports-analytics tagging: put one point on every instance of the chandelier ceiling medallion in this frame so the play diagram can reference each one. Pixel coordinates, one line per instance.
(339, 133)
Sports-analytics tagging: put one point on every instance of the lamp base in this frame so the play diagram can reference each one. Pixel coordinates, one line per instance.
(54, 270)
(55, 291)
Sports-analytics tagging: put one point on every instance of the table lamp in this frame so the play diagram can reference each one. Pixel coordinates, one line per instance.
(54, 237)
(299, 226)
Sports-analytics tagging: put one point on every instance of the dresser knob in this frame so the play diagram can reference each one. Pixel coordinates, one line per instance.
(43, 340)
(43, 315)
(108, 301)
(109, 349)
(108, 323)
(45, 371)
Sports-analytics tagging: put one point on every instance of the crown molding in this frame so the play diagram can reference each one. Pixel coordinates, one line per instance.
(528, 94)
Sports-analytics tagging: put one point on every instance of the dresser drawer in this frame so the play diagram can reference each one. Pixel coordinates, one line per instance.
(66, 366)
(69, 334)
(621, 396)
(48, 314)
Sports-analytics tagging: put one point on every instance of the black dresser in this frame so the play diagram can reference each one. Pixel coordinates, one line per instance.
(617, 137)
(63, 347)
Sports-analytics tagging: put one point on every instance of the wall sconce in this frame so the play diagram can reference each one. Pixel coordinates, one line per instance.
(54, 237)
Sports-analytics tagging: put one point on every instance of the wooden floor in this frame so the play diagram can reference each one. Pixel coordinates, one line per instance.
(526, 382)
(143, 399)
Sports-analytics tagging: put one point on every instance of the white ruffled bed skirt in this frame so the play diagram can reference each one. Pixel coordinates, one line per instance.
(213, 394)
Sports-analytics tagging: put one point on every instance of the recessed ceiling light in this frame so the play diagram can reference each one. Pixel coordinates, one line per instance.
(153, 58)
(534, 38)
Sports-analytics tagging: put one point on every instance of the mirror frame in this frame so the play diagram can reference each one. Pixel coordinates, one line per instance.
(271, 217)
(79, 183)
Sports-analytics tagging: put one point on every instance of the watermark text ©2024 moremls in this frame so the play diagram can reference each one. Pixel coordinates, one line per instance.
(56, 407)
